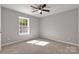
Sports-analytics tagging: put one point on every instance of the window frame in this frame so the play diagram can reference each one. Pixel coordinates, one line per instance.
(28, 26)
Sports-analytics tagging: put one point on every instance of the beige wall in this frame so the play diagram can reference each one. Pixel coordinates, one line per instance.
(61, 27)
(78, 25)
(10, 26)
(0, 27)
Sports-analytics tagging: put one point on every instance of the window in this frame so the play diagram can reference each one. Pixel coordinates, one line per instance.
(23, 26)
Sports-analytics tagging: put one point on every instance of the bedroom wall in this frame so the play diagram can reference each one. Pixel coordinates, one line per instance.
(78, 26)
(10, 26)
(0, 27)
(61, 27)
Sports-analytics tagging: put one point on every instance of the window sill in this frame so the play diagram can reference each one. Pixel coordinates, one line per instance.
(23, 33)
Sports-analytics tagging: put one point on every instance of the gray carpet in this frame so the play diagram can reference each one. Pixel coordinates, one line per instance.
(27, 48)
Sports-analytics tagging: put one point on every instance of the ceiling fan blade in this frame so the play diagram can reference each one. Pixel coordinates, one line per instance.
(44, 5)
(33, 7)
(34, 10)
(40, 6)
(46, 10)
(40, 12)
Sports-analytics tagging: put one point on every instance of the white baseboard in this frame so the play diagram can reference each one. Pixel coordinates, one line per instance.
(43, 38)
(11, 42)
(0, 48)
(16, 42)
(64, 42)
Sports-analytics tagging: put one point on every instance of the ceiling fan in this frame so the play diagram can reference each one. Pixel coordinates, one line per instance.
(40, 8)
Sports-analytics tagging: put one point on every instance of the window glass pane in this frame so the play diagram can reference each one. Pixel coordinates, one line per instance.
(23, 25)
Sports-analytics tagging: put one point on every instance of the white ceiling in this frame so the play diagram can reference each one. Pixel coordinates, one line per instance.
(54, 8)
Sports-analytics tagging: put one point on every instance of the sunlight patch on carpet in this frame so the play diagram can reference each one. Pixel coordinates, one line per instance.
(32, 41)
(37, 42)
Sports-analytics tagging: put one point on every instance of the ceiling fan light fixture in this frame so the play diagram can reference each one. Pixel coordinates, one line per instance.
(39, 11)
(40, 8)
